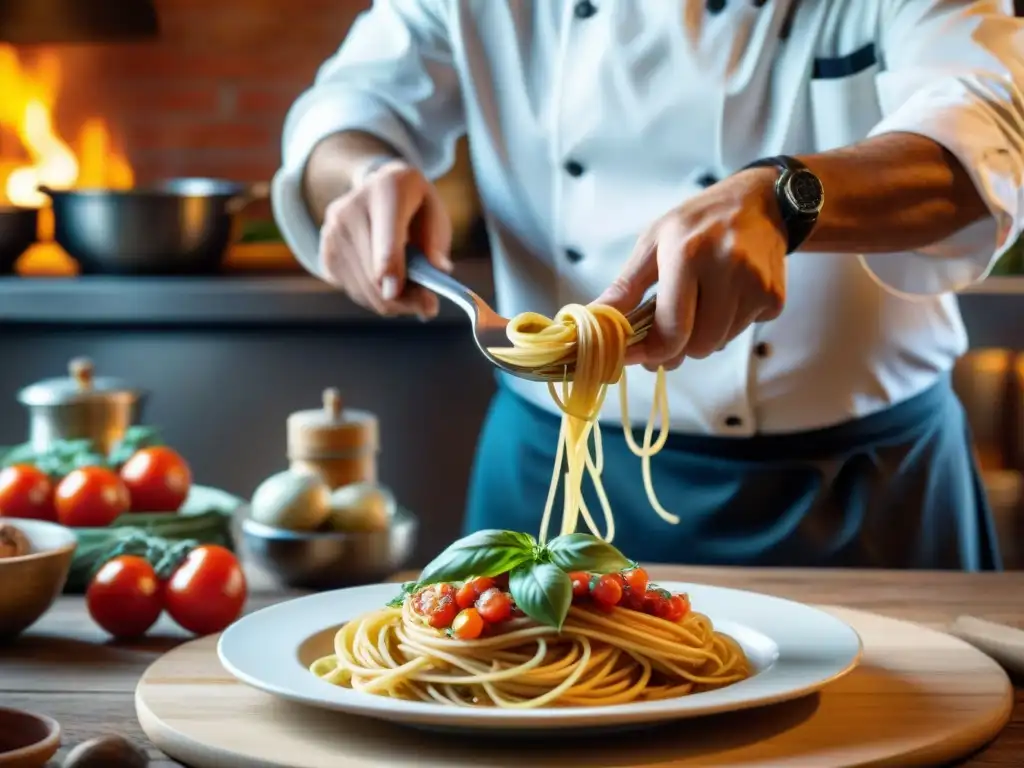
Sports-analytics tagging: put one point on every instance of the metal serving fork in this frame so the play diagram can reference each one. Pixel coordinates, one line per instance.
(489, 328)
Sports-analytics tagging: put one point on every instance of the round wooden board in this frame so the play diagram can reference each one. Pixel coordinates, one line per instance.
(919, 698)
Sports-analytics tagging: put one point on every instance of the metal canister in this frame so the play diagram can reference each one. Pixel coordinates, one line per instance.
(341, 444)
(81, 406)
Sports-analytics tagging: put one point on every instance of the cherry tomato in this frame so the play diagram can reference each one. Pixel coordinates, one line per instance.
(207, 591)
(158, 479)
(124, 596)
(91, 497)
(26, 492)
(656, 602)
(636, 580)
(607, 590)
(495, 606)
(438, 604)
(678, 607)
(468, 624)
(580, 584)
(470, 592)
(501, 581)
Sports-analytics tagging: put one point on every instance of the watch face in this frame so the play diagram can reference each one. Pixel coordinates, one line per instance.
(805, 192)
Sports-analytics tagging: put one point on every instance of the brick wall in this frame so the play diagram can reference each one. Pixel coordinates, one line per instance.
(209, 97)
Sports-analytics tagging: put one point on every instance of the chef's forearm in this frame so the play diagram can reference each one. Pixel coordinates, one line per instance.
(894, 192)
(333, 165)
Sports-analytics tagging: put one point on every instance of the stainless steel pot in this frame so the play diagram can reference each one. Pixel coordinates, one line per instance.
(18, 228)
(81, 407)
(181, 226)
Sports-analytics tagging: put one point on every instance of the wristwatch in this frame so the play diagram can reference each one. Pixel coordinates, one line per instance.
(800, 196)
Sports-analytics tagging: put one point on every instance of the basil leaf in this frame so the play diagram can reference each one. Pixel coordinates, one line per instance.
(484, 553)
(583, 552)
(408, 588)
(542, 591)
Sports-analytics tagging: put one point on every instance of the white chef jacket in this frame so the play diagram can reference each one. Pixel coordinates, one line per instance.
(588, 119)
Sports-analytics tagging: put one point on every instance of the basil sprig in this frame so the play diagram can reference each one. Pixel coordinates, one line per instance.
(583, 552)
(538, 574)
(484, 553)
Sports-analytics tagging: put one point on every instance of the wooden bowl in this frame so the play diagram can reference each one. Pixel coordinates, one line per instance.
(29, 584)
(27, 740)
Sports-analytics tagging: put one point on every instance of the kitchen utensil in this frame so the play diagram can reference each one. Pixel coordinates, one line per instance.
(180, 226)
(339, 444)
(30, 583)
(1004, 644)
(920, 697)
(18, 228)
(27, 740)
(81, 407)
(489, 328)
(315, 560)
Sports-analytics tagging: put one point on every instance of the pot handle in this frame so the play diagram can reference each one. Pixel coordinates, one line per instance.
(260, 190)
(46, 190)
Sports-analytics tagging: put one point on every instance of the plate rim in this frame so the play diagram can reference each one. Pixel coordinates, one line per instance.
(304, 617)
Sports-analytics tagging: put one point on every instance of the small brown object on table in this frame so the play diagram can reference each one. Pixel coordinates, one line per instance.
(64, 668)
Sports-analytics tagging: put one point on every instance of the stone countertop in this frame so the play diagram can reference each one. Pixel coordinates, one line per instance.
(993, 310)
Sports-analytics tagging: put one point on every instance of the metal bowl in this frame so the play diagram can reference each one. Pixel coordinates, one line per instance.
(318, 561)
(181, 226)
(18, 227)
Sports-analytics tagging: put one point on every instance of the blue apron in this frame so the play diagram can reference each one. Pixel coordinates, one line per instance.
(896, 489)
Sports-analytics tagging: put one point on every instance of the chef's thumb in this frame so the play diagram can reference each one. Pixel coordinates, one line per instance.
(625, 292)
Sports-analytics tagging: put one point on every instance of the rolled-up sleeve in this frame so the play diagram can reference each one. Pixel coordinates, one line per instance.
(393, 77)
(954, 72)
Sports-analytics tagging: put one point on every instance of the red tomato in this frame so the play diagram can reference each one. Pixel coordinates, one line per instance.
(158, 479)
(580, 584)
(207, 591)
(607, 590)
(468, 624)
(501, 581)
(495, 606)
(678, 607)
(470, 592)
(124, 596)
(26, 492)
(91, 497)
(438, 604)
(656, 602)
(636, 580)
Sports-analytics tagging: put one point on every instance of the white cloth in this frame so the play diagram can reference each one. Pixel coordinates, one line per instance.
(649, 97)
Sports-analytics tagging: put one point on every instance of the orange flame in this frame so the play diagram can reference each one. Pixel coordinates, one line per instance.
(30, 95)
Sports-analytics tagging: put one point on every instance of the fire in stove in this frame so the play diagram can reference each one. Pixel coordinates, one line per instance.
(33, 149)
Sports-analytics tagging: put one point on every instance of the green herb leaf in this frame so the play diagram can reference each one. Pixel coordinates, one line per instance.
(542, 591)
(408, 588)
(584, 552)
(484, 553)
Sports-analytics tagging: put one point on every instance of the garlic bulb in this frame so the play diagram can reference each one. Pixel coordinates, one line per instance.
(296, 501)
(361, 508)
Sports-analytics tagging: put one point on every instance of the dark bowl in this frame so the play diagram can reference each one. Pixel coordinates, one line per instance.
(27, 740)
(18, 227)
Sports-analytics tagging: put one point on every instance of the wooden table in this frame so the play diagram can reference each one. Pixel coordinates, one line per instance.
(65, 668)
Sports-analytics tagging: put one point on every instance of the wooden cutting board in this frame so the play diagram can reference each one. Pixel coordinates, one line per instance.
(919, 698)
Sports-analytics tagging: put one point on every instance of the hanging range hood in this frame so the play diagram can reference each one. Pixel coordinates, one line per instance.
(28, 22)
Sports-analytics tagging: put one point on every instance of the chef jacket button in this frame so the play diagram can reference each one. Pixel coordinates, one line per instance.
(715, 5)
(584, 9)
(573, 255)
(574, 169)
(763, 349)
(733, 421)
(707, 179)
(759, 3)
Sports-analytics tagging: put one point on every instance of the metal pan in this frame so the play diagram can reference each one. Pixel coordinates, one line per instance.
(180, 226)
(18, 228)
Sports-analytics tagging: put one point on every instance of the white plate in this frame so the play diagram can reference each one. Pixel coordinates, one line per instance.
(796, 650)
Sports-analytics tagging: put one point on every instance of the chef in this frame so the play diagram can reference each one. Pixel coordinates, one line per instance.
(806, 183)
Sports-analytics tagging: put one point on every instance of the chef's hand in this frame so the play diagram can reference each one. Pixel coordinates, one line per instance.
(719, 262)
(365, 233)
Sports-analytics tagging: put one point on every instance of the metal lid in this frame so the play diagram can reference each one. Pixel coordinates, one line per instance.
(80, 386)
